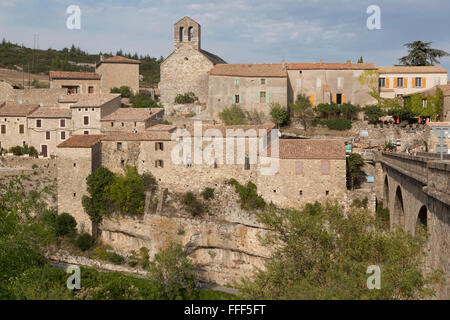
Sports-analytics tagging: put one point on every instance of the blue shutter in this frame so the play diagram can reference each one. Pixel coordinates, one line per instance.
(267, 97)
(257, 97)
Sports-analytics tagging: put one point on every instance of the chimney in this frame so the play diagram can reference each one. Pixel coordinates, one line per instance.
(348, 62)
(283, 64)
(321, 61)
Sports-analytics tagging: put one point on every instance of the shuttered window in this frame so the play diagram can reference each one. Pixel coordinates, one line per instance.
(298, 167)
(3, 128)
(62, 123)
(299, 83)
(63, 135)
(312, 98)
(21, 129)
(47, 135)
(38, 123)
(86, 120)
(325, 167)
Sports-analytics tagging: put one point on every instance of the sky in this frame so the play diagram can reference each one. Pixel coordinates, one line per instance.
(239, 31)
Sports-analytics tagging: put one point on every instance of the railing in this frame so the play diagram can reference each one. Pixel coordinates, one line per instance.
(413, 166)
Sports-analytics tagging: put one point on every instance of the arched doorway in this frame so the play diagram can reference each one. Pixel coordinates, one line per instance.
(399, 212)
(422, 220)
(386, 192)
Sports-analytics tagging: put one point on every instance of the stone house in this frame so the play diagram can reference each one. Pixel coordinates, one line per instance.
(329, 82)
(186, 68)
(109, 73)
(131, 119)
(253, 86)
(48, 127)
(401, 80)
(308, 168)
(13, 123)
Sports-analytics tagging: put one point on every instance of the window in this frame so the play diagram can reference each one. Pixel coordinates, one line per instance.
(237, 98)
(122, 163)
(86, 132)
(318, 82)
(21, 128)
(399, 82)
(424, 103)
(63, 135)
(247, 163)
(236, 82)
(122, 124)
(339, 98)
(382, 82)
(190, 33)
(299, 83)
(119, 146)
(86, 109)
(325, 167)
(181, 35)
(262, 81)
(159, 163)
(62, 123)
(418, 83)
(3, 128)
(38, 123)
(86, 120)
(159, 146)
(90, 89)
(47, 135)
(340, 82)
(262, 96)
(437, 81)
(327, 193)
(112, 124)
(298, 167)
(300, 192)
(74, 164)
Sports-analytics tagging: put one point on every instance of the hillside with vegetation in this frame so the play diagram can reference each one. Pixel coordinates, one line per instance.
(16, 57)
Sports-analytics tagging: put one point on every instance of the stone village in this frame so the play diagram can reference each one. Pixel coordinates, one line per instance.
(80, 124)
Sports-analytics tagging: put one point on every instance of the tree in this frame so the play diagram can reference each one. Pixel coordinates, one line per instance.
(173, 273)
(302, 110)
(360, 60)
(279, 114)
(373, 113)
(321, 252)
(97, 183)
(421, 54)
(354, 173)
(234, 115)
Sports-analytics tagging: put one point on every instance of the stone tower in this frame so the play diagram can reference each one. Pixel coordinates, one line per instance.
(187, 31)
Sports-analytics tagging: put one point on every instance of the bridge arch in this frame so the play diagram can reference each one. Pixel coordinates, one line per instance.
(386, 192)
(422, 219)
(399, 211)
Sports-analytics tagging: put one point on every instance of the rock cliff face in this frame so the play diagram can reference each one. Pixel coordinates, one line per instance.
(224, 242)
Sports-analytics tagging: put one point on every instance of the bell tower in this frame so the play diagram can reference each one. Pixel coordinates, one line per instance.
(187, 32)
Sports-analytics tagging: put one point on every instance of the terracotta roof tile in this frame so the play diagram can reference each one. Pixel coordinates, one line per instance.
(139, 136)
(119, 59)
(132, 114)
(249, 70)
(331, 66)
(81, 141)
(74, 75)
(45, 112)
(411, 69)
(223, 129)
(311, 149)
(91, 99)
(15, 109)
(162, 127)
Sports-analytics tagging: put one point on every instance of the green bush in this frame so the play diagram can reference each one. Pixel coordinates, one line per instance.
(208, 193)
(188, 97)
(248, 195)
(279, 114)
(373, 113)
(34, 166)
(339, 124)
(84, 241)
(192, 204)
(234, 115)
(124, 91)
(17, 150)
(142, 100)
(65, 225)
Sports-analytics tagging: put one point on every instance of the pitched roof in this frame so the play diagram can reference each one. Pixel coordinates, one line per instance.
(119, 59)
(15, 109)
(411, 69)
(212, 57)
(74, 75)
(132, 114)
(311, 149)
(45, 112)
(331, 66)
(91, 99)
(81, 141)
(162, 127)
(249, 70)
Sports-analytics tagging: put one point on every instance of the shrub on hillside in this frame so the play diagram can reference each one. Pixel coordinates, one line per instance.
(339, 124)
(188, 97)
(208, 193)
(84, 241)
(279, 114)
(192, 204)
(248, 195)
(124, 91)
(234, 115)
(65, 225)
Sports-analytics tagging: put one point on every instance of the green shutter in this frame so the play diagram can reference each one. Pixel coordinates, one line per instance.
(232, 100)
(267, 81)
(259, 81)
(257, 97)
(267, 97)
(240, 99)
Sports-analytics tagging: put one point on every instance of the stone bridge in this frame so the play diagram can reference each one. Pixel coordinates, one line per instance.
(416, 189)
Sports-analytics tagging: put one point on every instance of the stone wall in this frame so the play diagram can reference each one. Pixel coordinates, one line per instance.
(37, 136)
(115, 75)
(83, 84)
(185, 70)
(13, 137)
